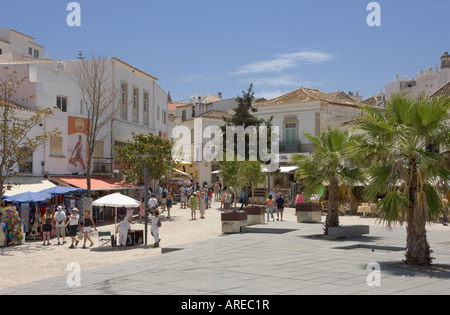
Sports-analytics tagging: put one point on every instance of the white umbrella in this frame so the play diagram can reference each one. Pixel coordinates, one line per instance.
(116, 200)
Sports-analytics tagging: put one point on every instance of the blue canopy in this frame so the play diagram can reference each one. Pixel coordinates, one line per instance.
(60, 190)
(28, 197)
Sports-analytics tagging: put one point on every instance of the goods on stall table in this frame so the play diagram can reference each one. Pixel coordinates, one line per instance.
(13, 226)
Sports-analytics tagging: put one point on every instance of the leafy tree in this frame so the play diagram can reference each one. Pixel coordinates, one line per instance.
(16, 124)
(251, 174)
(239, 173)
(148, 144)
(396, 143)
(243, 116)
(328, 165)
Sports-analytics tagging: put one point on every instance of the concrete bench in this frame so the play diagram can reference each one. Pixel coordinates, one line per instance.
(348, 231)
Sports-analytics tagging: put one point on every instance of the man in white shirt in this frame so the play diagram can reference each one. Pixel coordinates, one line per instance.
(153, 203)
(60, 224)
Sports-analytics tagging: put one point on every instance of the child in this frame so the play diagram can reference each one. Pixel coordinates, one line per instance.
(269, 205)
(155, 227)
(193, 205)
(169, 203)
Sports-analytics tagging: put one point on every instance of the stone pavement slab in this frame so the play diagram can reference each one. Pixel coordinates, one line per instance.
(291, 261)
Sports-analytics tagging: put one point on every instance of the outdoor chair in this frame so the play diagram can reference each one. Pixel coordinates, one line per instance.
(104, 238)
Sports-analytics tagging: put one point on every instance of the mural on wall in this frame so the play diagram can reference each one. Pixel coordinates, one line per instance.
(77, 144)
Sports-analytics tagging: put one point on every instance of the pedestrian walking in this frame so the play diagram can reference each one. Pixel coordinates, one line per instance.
(141, 210)
(156, 224)
(269, 207)
(280, 206)
(202, 204)
(216, 191)
(47, 226)
(73, 221)
(152, 203)
(60, 222)
(164, 194)
(193, 205)
(184, 196)
(88, 224)
(169, 202)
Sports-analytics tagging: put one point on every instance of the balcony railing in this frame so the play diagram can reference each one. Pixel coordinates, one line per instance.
(294, 147)
(102, 165)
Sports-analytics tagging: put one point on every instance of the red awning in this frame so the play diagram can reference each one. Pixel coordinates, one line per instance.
(97, 183)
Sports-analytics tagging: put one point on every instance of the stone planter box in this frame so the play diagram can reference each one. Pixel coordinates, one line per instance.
(232, 222)
(309, 212)
(255, 215)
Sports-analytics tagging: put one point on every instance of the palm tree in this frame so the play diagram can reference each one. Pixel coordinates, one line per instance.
(329, 164)
(405, 147)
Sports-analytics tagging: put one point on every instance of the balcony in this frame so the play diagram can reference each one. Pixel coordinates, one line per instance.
(101, 165)
(290, 146)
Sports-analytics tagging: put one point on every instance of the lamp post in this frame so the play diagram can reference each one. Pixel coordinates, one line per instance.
(145, 172)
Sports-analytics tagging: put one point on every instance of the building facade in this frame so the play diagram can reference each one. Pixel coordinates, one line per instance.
(424, 84)
(51, 83)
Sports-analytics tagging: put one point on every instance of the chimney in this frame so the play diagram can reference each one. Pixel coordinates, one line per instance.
(219, 95)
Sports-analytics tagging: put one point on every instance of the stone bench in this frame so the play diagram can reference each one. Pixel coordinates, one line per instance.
(349, 231)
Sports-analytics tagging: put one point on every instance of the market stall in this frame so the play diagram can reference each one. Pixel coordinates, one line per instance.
(116, 200)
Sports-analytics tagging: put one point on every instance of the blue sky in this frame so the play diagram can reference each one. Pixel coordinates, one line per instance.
(210, 46)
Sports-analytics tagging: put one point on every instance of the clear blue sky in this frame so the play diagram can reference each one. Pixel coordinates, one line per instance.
(210, 46)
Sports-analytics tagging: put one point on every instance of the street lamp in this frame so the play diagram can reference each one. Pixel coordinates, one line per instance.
(145, 171)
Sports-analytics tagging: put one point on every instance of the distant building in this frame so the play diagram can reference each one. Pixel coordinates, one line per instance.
(424, 84)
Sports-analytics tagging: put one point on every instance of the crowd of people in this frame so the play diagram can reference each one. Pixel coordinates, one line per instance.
(191, 196)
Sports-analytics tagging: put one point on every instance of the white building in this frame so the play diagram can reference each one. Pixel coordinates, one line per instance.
(210, 110)
(424, 84)
(303, 111)
(51, 83)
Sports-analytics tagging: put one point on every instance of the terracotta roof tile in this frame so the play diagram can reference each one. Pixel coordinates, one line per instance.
(308, 95)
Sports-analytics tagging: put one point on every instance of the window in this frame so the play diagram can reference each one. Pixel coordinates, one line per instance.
(30, 51)
(124, 101)
(183, 115)
(0, 51)
(81, 107)
(36, 53)
(146, 102)
(56, 148)
(61, 103)
(27, 164)
(157, 112)
(136, 105)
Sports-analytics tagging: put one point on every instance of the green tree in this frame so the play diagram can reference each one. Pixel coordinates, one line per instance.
(243, 117)
(148, 144)
(406, 147)
(250, 172)
(16, 124)
(328, 166)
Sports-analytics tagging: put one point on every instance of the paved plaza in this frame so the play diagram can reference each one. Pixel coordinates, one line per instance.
(281, 258)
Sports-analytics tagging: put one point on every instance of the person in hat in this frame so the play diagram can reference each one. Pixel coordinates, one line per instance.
(73, 226)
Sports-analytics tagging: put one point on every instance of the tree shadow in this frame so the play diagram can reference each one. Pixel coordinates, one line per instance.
(439, 271)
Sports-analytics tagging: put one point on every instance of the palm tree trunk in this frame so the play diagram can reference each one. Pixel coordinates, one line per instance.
(332, 219)
(418, 252)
